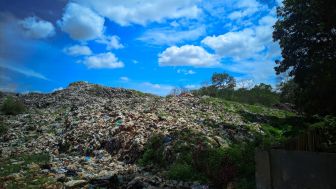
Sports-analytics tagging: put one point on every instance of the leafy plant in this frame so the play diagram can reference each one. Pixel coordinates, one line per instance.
(153, 152)
(12, 106)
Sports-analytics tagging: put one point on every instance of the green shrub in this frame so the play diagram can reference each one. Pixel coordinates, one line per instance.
(12, 106)
(185, 172)
(8, 168)
(195, 159)
(153, 153)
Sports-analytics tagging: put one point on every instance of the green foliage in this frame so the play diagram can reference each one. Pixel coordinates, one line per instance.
(260, 94)
(306, 34)
(325, 130)
(30, 177)
(195, 159)
(8, 168)
(288, 91)
(223, 81)
(12, 106)
(185, 172)
(153, 152)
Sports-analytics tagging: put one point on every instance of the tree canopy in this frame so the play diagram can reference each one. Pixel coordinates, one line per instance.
(306, 31)
(223, 80)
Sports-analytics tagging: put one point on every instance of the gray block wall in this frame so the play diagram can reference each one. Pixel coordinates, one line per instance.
(281, 169)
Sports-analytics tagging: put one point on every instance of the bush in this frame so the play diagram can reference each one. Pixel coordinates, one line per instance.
(185, 172)
(195, 159)
(216, 165)
(260, 94)
(12, 106)
(153, 152)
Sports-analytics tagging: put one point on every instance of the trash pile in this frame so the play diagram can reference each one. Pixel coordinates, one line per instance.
(95, 135)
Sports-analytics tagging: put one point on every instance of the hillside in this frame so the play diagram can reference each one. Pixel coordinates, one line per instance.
(93, 136)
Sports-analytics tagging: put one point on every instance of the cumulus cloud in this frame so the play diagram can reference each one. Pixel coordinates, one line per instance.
(241, 44)
(111, 42)
(246, 43)
(168, 36)
(36, 28)
(81, 23)
(145, 11)
(187, 55)
(78, 50)
(103, 60)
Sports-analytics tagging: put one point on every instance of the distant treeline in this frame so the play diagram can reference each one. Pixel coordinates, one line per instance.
(224, 86)
(260, 94)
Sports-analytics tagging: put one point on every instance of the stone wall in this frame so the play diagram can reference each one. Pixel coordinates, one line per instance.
(281, 169)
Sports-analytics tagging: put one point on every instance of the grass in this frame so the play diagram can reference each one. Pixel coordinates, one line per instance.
(7, 167)
(30, 177)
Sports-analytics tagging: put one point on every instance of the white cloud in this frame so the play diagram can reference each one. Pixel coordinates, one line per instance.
(81, 23)
(57, 89)
(246, 43)
(241, 44)
(186, 72)
(111, 42)
(23, 71)
(168, 36)
(124, 78)
(244, 83)
(77, 50)
(36, 28)
(158, 89)
(187, 55)
(245, 8)
(279, 2)
(145, 11)
(103, 60)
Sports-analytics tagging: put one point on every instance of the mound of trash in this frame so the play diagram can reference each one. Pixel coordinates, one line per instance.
(94, 135)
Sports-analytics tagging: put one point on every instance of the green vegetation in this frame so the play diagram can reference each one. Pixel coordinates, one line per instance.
(153, 152)
(8, 168)
(190, 156)
(26, 168)
(305, 31)
(12, 106)
(223, 87)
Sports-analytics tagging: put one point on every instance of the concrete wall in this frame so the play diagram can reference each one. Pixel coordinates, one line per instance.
(280, 169)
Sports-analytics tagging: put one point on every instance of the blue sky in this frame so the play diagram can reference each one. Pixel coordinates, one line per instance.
(147, 45)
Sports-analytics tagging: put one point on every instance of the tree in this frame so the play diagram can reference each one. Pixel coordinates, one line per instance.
(288, 91)
(223, 81)
(306, 31)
